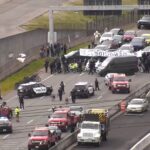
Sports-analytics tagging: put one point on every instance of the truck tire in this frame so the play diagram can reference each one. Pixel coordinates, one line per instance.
(79, 143)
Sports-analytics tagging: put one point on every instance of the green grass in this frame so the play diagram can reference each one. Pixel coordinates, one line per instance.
(8, 84)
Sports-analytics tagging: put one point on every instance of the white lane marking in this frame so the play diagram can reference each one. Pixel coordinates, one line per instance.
(42, 97)
(29, 121)
(4, 137)
(100, 97)
(49, 109)
(47, 78)
(81, 74)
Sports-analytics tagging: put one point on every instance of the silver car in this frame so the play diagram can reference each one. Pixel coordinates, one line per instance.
(137, 105)
(77, 110)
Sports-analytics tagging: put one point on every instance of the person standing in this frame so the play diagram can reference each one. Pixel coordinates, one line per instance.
(21, 101)
(46, 65)
(73, 96)
(97, 85)
(62, 85)
(0, 95)
(17, 114)
(60, 93)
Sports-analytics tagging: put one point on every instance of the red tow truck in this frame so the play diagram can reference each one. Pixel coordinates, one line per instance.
(119, 82)
(63, 118)
(41, 138)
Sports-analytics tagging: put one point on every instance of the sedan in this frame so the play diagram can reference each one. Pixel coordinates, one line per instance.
(5, 125)
(129, 35)
(137, 105)
(138, 43)
(106, 36)
(144, 22)
(55, 130)
(147, 38)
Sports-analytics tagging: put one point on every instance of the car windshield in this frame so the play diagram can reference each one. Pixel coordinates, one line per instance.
(146, 18)
(80, 87)
(138, 102)
(106, 61)
(106, 35)
(129, 33)
(119, 79)
(76, 109)
(117, 37)
(90, 126)
(59, 115)
(52, 127)
(40, 133)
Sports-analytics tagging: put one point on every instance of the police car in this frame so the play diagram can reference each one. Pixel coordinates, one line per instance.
(33, 89)
(5, 125)
(83, 89)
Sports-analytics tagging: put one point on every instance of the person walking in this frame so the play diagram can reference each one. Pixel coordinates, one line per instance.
(46, 65)
(60, 93)
(73, 96)
(62, 85)
(17, 114)
(97, 85)
(21, 101)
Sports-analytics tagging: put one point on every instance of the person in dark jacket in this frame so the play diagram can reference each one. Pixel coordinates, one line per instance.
(97, 85)
(73, 96)
(60, 93)
(21, 101)
(62, 85)
(46, 65)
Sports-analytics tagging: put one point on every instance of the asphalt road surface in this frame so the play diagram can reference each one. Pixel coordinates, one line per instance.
(14, 13)
(37, 109)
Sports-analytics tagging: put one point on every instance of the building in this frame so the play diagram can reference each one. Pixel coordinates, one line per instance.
(144, 2)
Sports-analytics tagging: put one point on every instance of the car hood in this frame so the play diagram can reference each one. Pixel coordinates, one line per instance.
(77, 113)
(92, 131)
(39, 138)
(144, 20)
(57, 120)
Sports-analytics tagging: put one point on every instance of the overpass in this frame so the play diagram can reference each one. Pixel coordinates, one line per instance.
(91, 8)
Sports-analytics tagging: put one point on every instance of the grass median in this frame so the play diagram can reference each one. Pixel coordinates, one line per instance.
(8, 84)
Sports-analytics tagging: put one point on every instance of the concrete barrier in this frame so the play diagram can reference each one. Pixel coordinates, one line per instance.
(143, 143)
(70, 139)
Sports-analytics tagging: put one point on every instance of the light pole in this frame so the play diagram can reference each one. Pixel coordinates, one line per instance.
(51, 28)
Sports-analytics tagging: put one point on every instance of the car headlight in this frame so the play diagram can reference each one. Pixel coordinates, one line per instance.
(97, 135)
(43, 142)
(79, 135)
(114, 85)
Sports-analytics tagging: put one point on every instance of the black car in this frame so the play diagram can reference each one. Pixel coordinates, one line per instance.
(83, 89)
(144, 22)
(33, 89)
(138, 43)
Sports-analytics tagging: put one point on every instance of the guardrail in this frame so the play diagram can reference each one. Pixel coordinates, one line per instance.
(70, 139)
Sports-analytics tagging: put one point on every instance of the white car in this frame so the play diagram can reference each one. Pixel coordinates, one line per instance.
(108, 78)
(137, 105)
(77, 110)
(126, 47)
(106, 36)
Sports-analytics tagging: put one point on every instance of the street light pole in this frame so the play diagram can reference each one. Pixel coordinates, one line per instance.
(51, 27)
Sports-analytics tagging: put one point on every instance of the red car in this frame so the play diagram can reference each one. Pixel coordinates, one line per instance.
(119, 83)
(41, 138)
(129, 35)
(62, 118)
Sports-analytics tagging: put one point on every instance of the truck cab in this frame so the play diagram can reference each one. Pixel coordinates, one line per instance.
(62, 118)
(90, 132)
(41, 138)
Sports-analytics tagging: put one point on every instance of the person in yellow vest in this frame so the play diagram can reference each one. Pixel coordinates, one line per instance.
(17, 113)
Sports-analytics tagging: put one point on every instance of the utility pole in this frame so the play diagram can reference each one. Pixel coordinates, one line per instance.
(51, 27)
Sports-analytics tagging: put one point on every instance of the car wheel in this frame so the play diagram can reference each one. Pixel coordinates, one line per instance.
(79, 143)
(48, 92)
(139, 26)
(11, 131)
(128, 91)
(113, 91)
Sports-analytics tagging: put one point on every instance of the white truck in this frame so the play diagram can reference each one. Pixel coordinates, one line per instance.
(90, 132)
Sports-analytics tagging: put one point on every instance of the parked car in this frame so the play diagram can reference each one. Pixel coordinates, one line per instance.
(117, 31)
(5, 125)
(55, 130)
(147, 38)
(144, 22)
(33, 89)
(129, 35)
(83, 89)
(106, 36)
(138, 43)
(137, 105)
(127, 47)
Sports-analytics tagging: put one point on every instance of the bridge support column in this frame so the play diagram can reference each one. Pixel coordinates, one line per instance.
(51, 27)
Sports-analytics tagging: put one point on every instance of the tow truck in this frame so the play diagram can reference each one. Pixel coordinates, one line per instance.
(94, 127)
(63, 118)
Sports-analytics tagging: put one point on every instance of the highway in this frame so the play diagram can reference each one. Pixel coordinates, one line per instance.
(36, 110)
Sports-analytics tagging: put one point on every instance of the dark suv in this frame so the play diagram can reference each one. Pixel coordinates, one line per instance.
(144, 22)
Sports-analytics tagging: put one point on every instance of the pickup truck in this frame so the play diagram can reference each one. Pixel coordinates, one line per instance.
(62, 118)
(41, 138)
